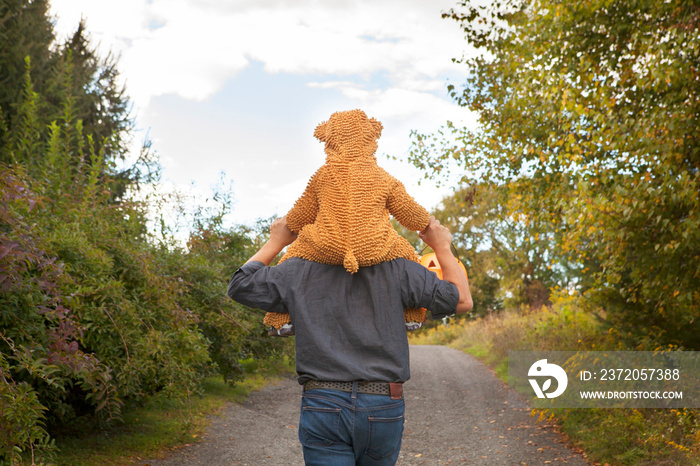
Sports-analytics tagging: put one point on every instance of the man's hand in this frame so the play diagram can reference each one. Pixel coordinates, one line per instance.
(439, 238)
(435, 235)
(280, 237)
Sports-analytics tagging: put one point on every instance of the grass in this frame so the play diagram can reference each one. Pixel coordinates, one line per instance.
(159, 425)
(641, 437)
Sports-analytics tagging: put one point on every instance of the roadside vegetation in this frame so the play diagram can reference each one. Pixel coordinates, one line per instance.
(160, 424)
(103, 306)
(576, 210)
(607, 436)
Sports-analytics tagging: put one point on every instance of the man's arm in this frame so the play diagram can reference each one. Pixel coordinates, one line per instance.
(254, 285)
(280, 237)
(439, 239)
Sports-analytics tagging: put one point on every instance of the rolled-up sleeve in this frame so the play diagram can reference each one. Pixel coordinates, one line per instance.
(443, 300)
(257, 285)
(423, 289)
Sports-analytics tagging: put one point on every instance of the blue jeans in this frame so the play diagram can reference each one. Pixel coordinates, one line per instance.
(339, 428)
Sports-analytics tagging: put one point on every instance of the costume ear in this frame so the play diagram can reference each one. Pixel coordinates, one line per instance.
(320, 132)
(376, 127)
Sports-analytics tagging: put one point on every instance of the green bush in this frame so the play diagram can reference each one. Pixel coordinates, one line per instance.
(642, 437)
(95, 311)
(22, 418)
(42, 362)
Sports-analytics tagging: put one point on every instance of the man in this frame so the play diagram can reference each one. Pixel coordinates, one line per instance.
(351, 345)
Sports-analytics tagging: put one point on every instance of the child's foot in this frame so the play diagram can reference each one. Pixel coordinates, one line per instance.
(287, 330)
(413, 326)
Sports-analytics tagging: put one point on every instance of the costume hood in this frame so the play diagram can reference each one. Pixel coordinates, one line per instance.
(349, 136)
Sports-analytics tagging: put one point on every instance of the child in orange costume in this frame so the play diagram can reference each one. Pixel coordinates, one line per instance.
(342, 218)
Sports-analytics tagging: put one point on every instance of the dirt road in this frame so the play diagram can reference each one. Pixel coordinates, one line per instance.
(457, 412)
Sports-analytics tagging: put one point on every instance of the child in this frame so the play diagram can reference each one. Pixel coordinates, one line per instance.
(342, 218)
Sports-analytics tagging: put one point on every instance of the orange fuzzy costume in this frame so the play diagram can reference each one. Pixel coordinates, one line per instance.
(342, 218)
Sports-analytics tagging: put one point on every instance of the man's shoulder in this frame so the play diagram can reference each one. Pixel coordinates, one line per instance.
(399, 264)
(402, 265)
(298, 265)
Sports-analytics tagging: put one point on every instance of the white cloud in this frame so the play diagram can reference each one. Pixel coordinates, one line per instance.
(199, 44)
(388, 57)
(113, 24)
(331, 84)
(403, 103)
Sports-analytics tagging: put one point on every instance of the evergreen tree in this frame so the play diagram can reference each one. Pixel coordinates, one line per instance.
(25, 31)
(98, 99)
(69, 77)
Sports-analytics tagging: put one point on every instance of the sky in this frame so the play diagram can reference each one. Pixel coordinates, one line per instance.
(233, 89)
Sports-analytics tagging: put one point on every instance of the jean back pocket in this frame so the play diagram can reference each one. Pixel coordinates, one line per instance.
(319, 426)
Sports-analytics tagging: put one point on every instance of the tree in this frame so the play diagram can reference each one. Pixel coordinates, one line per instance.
(94, 310)
(509, 260)
(98, 98)
(72, 83)
(589, 116)
(25, 31)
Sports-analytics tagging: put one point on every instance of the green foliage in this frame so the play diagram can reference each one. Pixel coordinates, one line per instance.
(588, 117)
(98, 100)
(95, 312)
(25, 31)
(642, 437)
(509, 261)
(21, 416)
(233, 331)
(41, 359)
(159, 424)
(563, 326)
(69, 82)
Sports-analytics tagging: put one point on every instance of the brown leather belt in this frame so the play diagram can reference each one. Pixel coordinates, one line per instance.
(395, 390)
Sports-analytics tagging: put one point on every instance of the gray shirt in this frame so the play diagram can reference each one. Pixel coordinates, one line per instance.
(348, 326)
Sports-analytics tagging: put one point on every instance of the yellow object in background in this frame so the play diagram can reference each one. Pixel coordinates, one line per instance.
(430, 262)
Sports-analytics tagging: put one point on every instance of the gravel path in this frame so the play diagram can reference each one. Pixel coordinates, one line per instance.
(457, 412)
